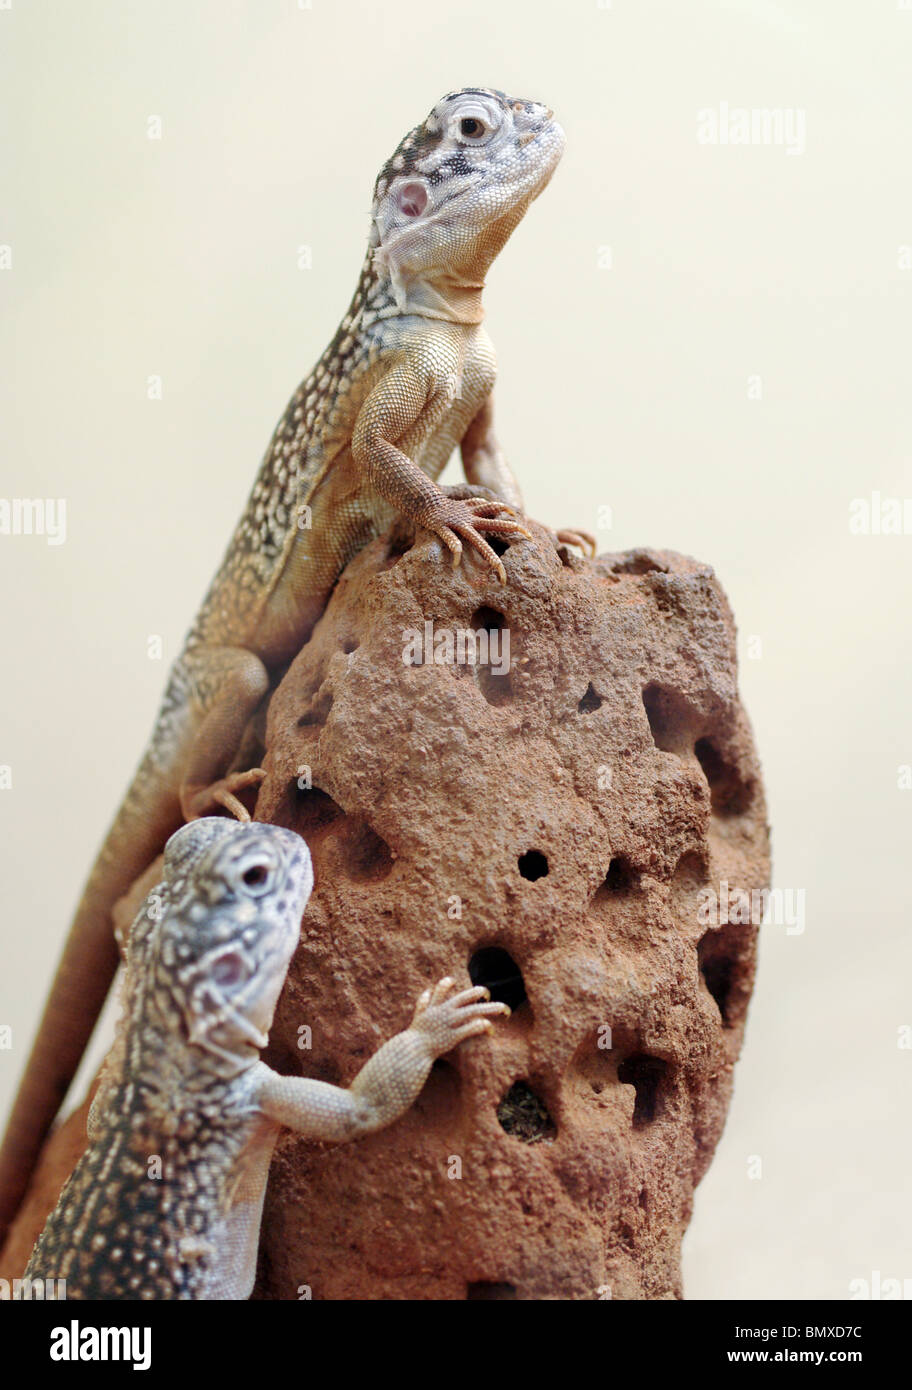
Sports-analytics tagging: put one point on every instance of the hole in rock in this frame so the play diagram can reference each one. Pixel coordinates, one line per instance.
(646, 1075)
(627, 1234)
(488, 620)
(637, 563)
(319, 709)
(312, 810)
(524, 1115)
(690, 876)
(496, 969)
(493, 655)
(533, 865)
(351, 644)
(729, 795)
(717, 966)
(621, 877)
(498, 544)
(670, 716)
(482, 1289)
(400, 542)
(690, 870)
(369, 857)
(590, 701)
(596, 1066)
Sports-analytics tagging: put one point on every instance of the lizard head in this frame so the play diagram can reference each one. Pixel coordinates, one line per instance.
(454, 190)
(233, 894)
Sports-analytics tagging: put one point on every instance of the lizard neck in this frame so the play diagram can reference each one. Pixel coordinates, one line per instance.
(446, 296)
(454, 302)
(200, 1062)
(387, 289)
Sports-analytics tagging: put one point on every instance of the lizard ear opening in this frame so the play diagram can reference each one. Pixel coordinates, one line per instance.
(412, 199)
(228, 970)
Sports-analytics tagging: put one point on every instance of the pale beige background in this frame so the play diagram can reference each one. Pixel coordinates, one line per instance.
(624, 387)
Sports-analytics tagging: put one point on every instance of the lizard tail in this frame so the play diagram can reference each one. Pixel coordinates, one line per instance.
(149, 814)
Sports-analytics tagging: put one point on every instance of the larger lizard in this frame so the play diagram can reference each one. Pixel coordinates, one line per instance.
(407, 377)
(167, 1199)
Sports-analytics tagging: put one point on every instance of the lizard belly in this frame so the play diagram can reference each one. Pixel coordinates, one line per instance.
(345, 515)
(338, 510)
(474, 368)
(235, 1237)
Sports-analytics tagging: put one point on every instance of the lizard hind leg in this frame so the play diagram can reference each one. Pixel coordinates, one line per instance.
(581, 539)
(230, 683)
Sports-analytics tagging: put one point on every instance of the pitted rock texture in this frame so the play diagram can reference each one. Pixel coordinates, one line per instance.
(547, 832)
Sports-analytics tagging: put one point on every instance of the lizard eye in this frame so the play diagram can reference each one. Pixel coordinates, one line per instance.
(257, 878)
(471, 127)
(412, 199)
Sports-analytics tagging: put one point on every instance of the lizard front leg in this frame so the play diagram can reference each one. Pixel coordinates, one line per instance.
(389, 1083)
(485, 465)
(228, 684)
(405, 406)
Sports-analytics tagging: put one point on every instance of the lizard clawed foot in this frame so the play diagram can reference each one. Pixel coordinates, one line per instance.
(201, 801)
(581, 539)
(455, 520)
(445, 1018)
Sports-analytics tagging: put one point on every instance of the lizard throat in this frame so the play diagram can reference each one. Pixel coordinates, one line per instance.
(445, 297)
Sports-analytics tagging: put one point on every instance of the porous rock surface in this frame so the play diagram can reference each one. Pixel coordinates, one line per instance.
(547, 832)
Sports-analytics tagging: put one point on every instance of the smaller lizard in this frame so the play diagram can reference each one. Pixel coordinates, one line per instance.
(166, 1202)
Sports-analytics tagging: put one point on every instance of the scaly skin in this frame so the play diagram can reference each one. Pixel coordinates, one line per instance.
(407, 377)
(166, 1202)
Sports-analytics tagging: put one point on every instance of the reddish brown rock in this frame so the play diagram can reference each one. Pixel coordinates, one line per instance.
(551, 831)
